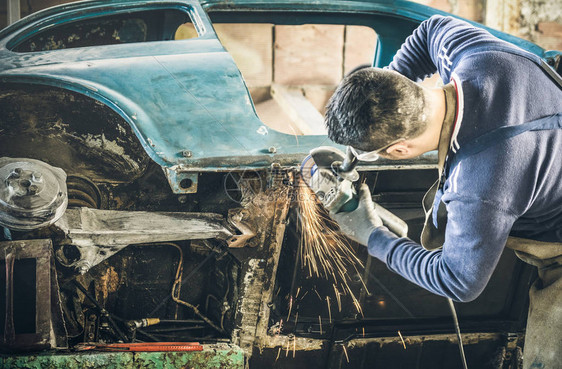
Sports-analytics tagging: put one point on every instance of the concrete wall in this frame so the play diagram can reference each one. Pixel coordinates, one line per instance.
(539, 21)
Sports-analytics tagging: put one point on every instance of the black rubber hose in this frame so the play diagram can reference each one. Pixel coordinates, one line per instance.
(102, 310)
(458, 330)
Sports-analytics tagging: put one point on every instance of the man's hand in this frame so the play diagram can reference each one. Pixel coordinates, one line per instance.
(361, 222)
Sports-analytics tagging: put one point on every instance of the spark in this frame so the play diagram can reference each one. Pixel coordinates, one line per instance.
(298, 291)
(294, 346)
(345, 352)
(329, 309)
(278, 353)
(402, 338)
(338, 297)
(317, 294)
(287, 349)
(290, 307)
(363, 332)
(320, 320)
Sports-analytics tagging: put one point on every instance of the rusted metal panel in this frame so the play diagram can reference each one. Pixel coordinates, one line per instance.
(268, 213)
(26, 262)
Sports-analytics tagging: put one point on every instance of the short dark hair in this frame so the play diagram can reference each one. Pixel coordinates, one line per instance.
(373, 107)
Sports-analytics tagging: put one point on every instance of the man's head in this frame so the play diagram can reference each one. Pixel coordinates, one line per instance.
(373, 108)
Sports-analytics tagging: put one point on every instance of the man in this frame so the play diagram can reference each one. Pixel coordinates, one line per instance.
(496, 125)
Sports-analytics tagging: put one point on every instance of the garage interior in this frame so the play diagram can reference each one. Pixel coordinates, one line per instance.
(237, 280)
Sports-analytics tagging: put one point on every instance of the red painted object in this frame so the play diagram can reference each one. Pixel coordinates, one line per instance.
(144, 346)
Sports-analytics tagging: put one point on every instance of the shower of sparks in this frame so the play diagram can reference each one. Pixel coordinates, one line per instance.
(325, 252)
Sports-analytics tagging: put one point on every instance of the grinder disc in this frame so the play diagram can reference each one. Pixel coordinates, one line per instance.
(308, 168)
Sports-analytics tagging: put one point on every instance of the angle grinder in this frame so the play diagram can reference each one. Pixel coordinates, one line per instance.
(331, 174)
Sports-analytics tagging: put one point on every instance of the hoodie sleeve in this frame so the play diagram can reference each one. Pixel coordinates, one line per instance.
(437, 45)
(476, 235)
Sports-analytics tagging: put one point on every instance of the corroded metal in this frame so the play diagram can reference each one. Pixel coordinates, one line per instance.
(99, 234)
(45, 330)
(267, 214)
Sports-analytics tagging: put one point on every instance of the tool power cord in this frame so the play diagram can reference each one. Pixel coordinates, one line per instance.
(458, 331)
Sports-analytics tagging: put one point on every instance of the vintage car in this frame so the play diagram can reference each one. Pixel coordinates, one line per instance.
(150, 193)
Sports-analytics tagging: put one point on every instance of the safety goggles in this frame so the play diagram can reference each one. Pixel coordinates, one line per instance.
(372, 155)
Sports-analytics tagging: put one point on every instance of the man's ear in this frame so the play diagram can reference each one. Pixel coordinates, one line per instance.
(400, 150)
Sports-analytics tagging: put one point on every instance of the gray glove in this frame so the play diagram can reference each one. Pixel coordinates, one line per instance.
(361, 222)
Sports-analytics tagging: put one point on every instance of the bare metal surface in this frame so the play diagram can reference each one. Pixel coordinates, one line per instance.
(236, 218)
(32, 193)
(98, 234)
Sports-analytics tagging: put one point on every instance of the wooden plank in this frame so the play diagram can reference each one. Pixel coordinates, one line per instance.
(360, 44)
(301, 111)
(308, 54)
(14, 12)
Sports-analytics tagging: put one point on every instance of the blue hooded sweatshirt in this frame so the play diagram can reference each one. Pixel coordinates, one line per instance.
(513, 186)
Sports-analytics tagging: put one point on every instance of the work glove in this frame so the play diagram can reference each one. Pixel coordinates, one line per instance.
(361, 222)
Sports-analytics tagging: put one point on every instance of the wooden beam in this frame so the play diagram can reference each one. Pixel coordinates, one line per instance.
(301, 111)
(14, 12)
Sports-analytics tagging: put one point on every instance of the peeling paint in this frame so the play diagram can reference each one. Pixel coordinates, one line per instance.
(101, 143)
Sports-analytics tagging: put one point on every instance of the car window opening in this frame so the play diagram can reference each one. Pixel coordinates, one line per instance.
(292, 70)
(115, 29)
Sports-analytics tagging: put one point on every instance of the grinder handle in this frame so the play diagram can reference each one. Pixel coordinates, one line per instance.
(391, 221)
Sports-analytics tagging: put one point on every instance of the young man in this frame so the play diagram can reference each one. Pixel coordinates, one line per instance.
(497, 127)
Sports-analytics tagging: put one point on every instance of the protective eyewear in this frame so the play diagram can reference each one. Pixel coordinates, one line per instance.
(372, 155)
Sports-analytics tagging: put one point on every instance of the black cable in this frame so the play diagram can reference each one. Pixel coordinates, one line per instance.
(101, 309)
(458, 331)
(152, 337)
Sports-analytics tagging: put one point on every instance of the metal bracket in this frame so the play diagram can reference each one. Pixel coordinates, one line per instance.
(98, 234)
(30, 326)
(182, 182)
(236, 218)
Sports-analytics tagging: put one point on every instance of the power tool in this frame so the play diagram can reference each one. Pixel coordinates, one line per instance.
(331, 174)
